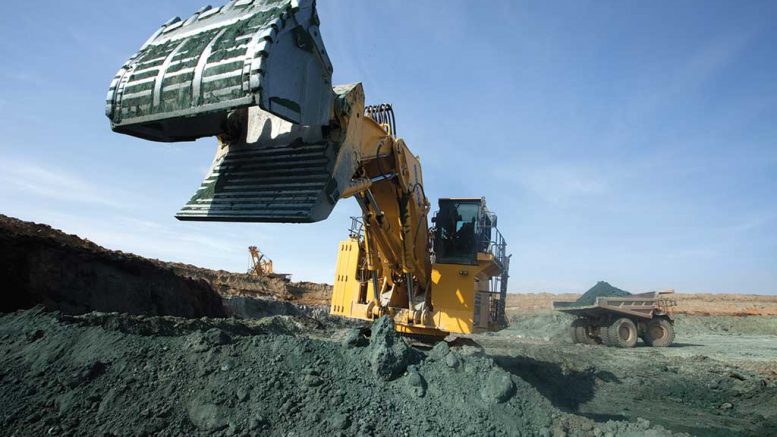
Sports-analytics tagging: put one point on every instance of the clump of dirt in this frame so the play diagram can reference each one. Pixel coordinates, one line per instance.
(388, 354)
(601, 289)
(110, 374)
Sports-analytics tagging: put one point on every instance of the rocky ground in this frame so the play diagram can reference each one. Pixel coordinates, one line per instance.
(98, 342)
(719, 378)
(111, 374)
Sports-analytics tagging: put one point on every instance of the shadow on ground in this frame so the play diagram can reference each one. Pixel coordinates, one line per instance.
(566, 389)
(674, 345)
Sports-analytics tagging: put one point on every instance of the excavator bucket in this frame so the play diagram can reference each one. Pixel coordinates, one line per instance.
(278, 172)
(191, 74)
(255, 74)
(281, 178)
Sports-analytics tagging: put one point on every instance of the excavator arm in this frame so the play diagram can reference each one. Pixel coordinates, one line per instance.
(262, 161)
(256, 75)
(394, 211)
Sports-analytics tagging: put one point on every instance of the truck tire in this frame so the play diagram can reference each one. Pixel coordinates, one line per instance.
(621, 333)
(580, 332)
(659, 333)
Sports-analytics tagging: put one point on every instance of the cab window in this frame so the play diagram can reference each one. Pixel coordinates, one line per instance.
(457, 228)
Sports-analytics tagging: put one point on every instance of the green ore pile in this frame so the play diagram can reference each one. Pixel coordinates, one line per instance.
(110, 374)
(601, 289)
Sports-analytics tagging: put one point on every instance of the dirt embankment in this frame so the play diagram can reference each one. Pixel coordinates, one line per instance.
(702, 304)
(42, 265)
(230, 284)
(278, 372)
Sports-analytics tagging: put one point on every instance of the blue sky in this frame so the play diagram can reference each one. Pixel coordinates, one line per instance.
(633, 142)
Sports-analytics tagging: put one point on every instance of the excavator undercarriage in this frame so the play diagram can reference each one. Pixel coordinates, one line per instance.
(255, 74)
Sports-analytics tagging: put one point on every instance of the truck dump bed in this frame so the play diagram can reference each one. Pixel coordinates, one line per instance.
(638, 305)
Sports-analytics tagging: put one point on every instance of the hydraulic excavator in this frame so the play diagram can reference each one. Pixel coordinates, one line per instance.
(256, 75)
(261, 265)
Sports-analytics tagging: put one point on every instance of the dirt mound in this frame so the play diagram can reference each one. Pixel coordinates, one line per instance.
(41, 265)
(546, 326)
(601, 289)
(119, 375)
(290, 369)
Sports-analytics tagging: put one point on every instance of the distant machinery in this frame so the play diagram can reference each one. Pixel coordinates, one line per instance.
(262, 265)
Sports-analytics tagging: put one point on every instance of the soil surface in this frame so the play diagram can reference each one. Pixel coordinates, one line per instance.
(112, 374)
(719, 378)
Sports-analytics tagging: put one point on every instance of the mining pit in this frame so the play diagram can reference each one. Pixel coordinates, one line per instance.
(100, 342)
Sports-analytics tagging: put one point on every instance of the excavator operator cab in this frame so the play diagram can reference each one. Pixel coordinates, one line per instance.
(469, 267)
(463, 228)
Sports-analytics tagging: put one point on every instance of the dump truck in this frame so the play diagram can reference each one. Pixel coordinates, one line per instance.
(255, 74)
(620, 320)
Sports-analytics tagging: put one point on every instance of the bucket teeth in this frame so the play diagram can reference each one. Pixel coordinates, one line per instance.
(279, 184)
(276, 171)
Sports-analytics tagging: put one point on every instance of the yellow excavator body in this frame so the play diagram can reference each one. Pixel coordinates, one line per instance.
(459, 305)
(463, 300)
(255, 75)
